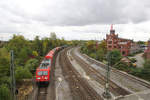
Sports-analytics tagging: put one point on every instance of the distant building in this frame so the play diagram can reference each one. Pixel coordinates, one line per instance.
(125, 46)
(135, 48)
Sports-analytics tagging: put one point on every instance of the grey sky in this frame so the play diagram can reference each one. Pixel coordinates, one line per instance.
(73, 19)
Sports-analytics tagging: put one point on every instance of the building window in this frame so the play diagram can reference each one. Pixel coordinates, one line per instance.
(115, 47)
(115, 42)
(123, 52)
(109, 46)
(109, 42)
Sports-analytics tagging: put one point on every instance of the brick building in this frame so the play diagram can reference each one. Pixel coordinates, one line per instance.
(114, 42)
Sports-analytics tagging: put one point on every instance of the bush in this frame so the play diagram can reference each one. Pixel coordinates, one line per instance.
(93, 55)
(147, 64)
(122, 66)
(115, 56)
(22, 73)
(31, 65)
(4, 92)
(133, 60)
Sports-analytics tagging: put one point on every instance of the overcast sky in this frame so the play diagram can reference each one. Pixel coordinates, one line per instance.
(75, 19)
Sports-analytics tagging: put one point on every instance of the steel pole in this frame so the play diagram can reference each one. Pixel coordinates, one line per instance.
(12, 75)
(106, 93)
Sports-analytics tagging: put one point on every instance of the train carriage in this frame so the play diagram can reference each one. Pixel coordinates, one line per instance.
(44, 70)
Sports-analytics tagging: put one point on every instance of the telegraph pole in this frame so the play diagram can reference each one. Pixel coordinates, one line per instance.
(107, 94)
(12, 75)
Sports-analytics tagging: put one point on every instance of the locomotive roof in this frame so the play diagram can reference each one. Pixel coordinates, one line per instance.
(44, 64)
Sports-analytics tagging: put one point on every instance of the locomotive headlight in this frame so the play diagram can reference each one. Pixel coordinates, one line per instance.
(46, 78)
(38, 78)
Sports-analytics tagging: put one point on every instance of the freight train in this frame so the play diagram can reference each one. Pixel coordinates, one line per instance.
(43, 72)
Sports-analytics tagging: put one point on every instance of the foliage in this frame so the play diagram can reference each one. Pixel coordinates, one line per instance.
(53, 36)
(141, 42)
(4, 92)
(35, 53)
(31, 65)
(27, 56)
(147, 64)
(133, 60)
(143, 73)
(90, 48)
(115, 56)
(22, 73)
(4, 62)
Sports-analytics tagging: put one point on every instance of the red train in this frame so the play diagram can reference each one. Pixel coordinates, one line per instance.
(44, 69)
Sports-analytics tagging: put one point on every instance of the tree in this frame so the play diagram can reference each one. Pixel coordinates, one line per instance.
(103, 46)
(22, 57)
(100, 54)
(17, 43)
(141, 42)
(115, 56)
(53, 36)
(31, 65)
(91, 46)
(147, 64)
(22, 73)
(4, 92)
(37, 45)
(35, 53)
(4, 62)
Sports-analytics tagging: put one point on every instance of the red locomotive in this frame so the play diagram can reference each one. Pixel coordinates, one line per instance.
(43, 71)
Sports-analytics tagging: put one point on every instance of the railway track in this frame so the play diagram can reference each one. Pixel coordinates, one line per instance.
(120, 73)
(114, 88)
(42, 93)
(79, 87)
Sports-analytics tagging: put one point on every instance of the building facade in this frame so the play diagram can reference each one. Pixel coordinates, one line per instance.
(114, 42)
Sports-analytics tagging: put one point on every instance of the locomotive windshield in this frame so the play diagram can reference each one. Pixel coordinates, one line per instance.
(45, 72)
(45, 63)
(42, 73)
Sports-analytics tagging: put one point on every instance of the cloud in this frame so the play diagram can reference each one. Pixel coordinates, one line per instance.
(74, 17)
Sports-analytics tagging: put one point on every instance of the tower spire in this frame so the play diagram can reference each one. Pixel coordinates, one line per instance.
(111, 27)
(112, 31)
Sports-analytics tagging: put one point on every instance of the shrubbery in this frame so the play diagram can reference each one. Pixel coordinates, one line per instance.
(22, 73)
(94, 50)
(4, 92)
(31, 65)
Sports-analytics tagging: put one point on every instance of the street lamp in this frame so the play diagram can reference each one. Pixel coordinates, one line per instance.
(106, 93)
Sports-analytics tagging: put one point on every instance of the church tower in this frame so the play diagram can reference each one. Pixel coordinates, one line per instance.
(112, 31)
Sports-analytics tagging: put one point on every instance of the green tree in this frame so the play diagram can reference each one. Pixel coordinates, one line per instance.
(103, 46)
(91, 46)
(37, 46)
(17, 43)
(100, 54)
(53, 36)
(31, 65)
(115, 56)
(4, 62)
(35, 53)
(22, 57)
(22, 73)
(141, 42)
(4, 92)
(147, 64)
